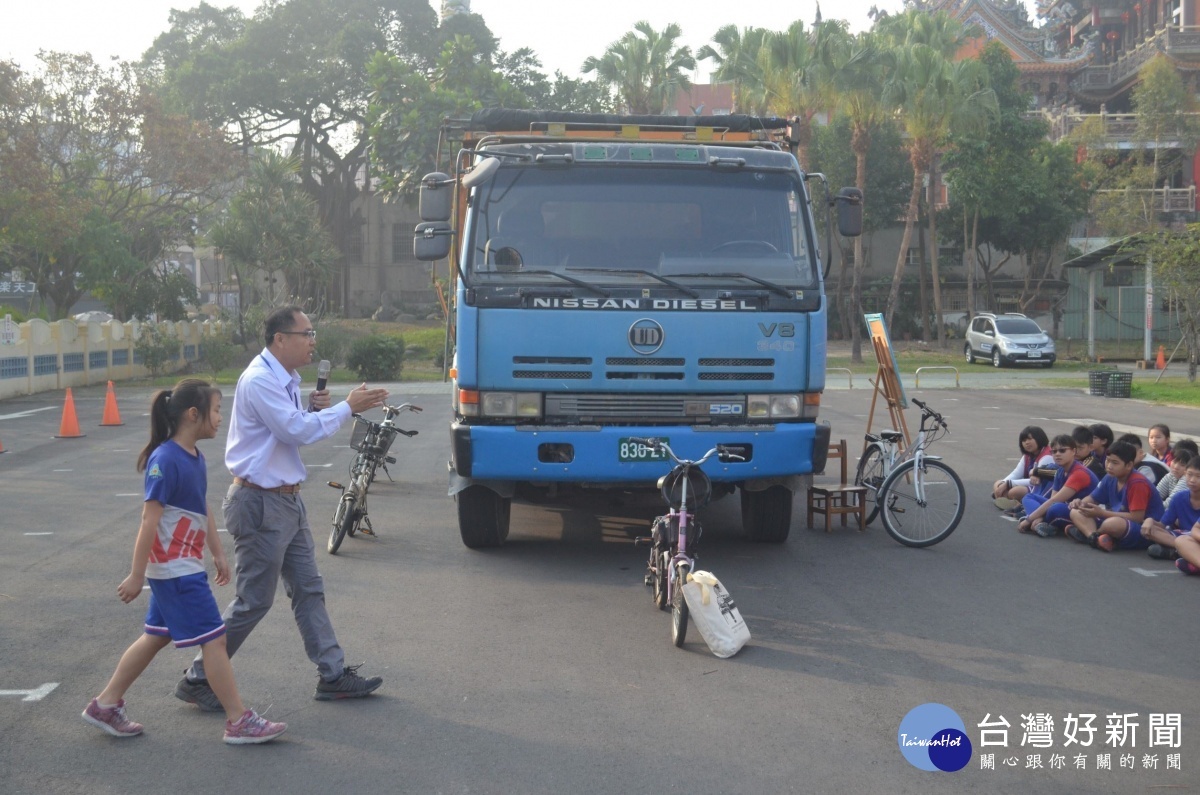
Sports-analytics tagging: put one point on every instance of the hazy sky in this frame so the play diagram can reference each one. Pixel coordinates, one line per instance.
(563, 34)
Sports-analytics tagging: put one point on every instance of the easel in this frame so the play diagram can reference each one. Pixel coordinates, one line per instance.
(887, 378)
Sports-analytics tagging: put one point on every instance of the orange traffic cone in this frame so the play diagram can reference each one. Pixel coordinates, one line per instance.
(1161, 363)
(2, 450)
(111, 415)
(69, 429)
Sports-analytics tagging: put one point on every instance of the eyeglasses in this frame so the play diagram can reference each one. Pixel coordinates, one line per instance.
(1062, 450)
(310, 333)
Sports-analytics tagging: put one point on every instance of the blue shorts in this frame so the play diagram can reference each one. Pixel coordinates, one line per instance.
(1133, 538)
(183, 609)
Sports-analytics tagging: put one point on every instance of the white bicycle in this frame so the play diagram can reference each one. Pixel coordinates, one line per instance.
(921, 498)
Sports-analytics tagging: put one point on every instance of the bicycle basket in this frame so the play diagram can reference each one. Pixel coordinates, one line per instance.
(358, 434)
(699, 488)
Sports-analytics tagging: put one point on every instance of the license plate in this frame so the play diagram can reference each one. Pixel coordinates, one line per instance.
(629, 450)
(1035, 354)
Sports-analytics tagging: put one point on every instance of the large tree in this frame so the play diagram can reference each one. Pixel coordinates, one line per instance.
(271, 226)
(934, 96)
(98, 182)
(796, 73)
(647, 68)
(1176, 258)
(1012, 190)
(295, 76)
(736, 55)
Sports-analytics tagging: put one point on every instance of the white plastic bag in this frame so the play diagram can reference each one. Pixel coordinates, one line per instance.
(715, 615)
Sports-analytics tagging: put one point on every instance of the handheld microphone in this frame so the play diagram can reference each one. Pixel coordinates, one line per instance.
(322, 374)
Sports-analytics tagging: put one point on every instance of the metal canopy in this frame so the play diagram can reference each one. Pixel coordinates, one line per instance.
(1107, 255)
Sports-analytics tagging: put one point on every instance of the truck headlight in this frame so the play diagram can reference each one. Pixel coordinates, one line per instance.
(511, 404)
(773, 407)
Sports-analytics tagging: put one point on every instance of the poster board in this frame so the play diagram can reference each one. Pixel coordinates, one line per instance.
(889, 371)
(887, 377)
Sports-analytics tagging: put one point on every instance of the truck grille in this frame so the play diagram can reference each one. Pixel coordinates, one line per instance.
(629, 406)
(644, 368)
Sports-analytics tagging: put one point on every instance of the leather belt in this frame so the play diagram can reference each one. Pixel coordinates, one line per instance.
(294, 489)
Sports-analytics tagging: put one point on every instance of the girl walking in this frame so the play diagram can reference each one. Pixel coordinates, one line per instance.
(168, 554)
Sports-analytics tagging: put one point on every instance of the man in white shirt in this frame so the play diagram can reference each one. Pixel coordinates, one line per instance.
(263, 510)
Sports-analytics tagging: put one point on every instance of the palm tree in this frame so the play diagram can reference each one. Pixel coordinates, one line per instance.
(933, 95)
(859, 81)
(796, 67)
(736, 57)
(645, 67)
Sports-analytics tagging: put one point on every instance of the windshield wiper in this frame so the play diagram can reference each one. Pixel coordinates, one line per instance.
(571, 279)
(681, 288)
(772, 286)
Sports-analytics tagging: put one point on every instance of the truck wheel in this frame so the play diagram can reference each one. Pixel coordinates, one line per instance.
(482, 517)
(767, 515)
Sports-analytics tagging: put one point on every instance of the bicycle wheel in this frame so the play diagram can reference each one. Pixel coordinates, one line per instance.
(660, 580)
(679, 607)
(922, 522)
(343, 519)
(870, 473)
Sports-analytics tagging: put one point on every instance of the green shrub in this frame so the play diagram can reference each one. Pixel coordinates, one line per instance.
(377, 358)
(333, 343)
(219, 353)
(156, 348)
(17, 315)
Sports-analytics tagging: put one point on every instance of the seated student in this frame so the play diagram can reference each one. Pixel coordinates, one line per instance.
(1188, 547)
(1186, 444)
(1154, 469)
(1159, 438)
(1175, 482)
(1085, 441)
(1048, 514)
(1035, 451)
(1111, 516)
(1102, 439)
(1182, 513)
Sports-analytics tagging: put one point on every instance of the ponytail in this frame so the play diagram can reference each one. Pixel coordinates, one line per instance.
(168, 407)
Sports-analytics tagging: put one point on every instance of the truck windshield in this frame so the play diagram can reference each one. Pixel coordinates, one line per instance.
(641, 226)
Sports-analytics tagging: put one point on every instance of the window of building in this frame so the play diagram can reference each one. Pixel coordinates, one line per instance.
(402, 243)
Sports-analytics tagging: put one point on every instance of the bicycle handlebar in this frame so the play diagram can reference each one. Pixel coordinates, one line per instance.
(928, 412)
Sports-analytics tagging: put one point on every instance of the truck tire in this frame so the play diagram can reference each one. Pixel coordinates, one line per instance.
(767, 514)
(482, 517)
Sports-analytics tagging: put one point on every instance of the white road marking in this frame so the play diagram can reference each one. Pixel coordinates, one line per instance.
(39, 534)
(318, 466)
(37, 694)
(131, 494)
(991, 429)
(1118, 428)
(21, 414)
(62, 470)
(1150, 572)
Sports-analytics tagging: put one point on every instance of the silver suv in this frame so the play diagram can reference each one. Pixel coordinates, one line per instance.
(1008, 339)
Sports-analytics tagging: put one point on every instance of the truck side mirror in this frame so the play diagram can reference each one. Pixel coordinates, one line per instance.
(437, 193)
(431, 240)
(849, 212)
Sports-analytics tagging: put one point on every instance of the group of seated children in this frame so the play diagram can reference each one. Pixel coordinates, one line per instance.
(1108, 493)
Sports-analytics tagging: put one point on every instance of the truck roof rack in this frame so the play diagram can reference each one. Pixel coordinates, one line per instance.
(512, 120)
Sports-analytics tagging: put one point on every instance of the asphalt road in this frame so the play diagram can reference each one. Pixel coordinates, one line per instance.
(544, 667)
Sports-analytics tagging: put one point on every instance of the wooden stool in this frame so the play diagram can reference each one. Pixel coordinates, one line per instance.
(840, 499)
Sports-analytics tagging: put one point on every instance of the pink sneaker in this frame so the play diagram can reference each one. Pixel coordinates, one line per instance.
(252, 728)
(111, 719)
(1185, 567)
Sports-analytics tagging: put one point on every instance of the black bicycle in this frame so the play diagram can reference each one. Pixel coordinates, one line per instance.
(372, 441)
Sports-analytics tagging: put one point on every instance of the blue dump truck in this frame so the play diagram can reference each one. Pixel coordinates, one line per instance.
(619, 277)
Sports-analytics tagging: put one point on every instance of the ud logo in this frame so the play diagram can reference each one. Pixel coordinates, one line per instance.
(645, 336)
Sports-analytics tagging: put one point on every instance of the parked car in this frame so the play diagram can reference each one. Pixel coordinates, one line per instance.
(1011, 338)
(94, 316)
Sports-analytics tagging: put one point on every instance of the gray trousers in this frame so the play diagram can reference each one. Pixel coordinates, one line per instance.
(271, 537)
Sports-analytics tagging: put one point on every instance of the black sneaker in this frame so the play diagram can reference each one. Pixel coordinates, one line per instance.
(348, 685)
(198, 693)
(1046, 530)
(1159, 552)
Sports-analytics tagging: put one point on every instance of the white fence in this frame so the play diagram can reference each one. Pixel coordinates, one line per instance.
(37, 356)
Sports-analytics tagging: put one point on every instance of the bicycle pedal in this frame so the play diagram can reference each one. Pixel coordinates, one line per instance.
(366, 531)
